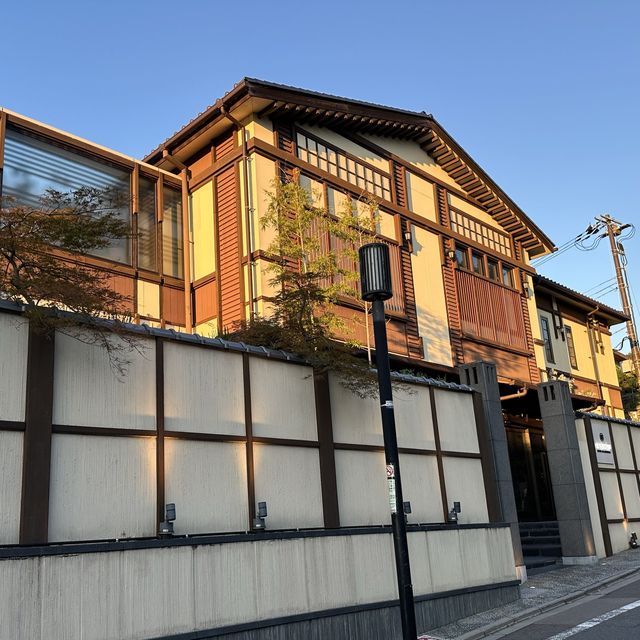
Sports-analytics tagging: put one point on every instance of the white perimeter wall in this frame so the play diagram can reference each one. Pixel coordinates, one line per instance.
(156, 592)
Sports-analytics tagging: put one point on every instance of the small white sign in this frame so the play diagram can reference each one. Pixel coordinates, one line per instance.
(391, 483)
(602, 443)
(391, 471)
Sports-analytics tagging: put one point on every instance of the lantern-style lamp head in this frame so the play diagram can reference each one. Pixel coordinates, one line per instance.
(375, 272)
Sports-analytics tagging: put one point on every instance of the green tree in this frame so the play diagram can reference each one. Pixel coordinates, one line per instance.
(310, 277)
(630, 391)
(43, 255)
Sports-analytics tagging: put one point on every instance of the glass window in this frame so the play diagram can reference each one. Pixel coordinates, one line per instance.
(32, 165)
(462, 256)
(494, 272)
(172, 245)
(147, 244)
(546, 336)
(477, 261)
(571, 347)
(507, 276)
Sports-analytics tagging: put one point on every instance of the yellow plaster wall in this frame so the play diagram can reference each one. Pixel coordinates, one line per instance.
(420, 196)
(535, 326)
(260, 128)
(203, 231)
(262, 174)
(350, 147)
(386, 225)
(148, 299)
(412, 153)
(474, 211)
(433, 323)
(583, 349)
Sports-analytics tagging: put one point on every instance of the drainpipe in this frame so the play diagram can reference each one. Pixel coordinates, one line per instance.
(590, 328)
(247, 207)
(512, 396)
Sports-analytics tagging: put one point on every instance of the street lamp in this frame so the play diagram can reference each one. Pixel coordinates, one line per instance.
(375, 279)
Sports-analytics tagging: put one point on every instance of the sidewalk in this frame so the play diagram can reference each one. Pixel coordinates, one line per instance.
(541, 593)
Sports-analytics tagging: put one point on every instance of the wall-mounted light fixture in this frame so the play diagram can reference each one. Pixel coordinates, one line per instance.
(453, 514)
(633, 540)
(165, 530)
(407, 509)
(259, 523)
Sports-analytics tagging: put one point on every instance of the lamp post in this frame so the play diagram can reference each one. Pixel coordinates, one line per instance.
(375, 277)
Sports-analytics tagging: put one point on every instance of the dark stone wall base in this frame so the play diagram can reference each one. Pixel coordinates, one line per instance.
(370, 622)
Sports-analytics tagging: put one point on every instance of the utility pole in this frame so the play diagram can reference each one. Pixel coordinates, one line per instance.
(614, 229)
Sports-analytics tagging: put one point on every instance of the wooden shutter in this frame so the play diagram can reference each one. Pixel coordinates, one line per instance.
(230, 273)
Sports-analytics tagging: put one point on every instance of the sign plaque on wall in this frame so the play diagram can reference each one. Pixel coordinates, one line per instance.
(602, 442)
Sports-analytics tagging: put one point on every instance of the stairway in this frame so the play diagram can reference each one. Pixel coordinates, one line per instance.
(541, 546)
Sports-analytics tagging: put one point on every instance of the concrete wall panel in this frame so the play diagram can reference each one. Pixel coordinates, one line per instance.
(288, 479)
(362, 488)
(354, 420)
(421, 486)
(621, 442)
(414, 423)
(14, 339)
(282, 400)
(11, 446)
(207, 481)
(631, 495)
(465, 484)
(102, 487)
(611, 494)
(456, 421)
(203, 390)
(589, 484)
(89, 392)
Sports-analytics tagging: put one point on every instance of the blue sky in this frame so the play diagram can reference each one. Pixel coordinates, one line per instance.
(544, 95)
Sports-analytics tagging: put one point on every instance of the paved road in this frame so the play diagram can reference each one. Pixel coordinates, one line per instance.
(612, 614)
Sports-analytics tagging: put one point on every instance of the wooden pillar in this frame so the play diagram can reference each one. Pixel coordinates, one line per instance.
(160, 477)
(36, 465)
(248, 421)
(328, 481)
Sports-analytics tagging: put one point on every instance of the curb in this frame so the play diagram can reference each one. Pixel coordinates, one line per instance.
(527, 614)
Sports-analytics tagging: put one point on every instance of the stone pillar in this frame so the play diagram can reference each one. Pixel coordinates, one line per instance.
(482, 378)
(567, 477)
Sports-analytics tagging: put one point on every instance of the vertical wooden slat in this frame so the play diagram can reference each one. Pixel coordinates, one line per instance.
(248, 422)
(160, 475)
(186, 252)
(602, 512)
(633, 456)
(328, 480)
(436, 436)
(36, 465)
(230, 281)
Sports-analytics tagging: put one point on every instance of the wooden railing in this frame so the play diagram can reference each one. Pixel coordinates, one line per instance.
(490, 311)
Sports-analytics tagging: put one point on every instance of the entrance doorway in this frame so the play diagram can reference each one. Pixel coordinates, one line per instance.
(530, 470)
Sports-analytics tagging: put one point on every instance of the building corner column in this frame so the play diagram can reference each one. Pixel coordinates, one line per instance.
(567, 476)
(492, 438)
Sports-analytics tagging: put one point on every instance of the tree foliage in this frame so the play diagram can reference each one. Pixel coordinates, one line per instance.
(630, 391)
(309, 276)
(44, 252)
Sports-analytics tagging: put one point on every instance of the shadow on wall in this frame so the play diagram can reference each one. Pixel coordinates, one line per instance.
(433, 328)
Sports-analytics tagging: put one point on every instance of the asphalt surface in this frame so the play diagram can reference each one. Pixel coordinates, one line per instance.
(610, 614)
